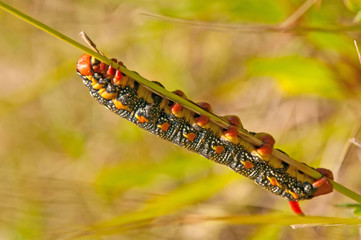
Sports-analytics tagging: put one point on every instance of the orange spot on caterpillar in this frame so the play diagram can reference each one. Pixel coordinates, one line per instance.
(165, 126)
(219, 149)
(202, 120)
(111, 72)
(141, 119)
(273, 181)
(94, 81)
(179, 93)
(108, 95)
(247, 164)
(118, 77)
(294, 195)
(205, 106)
(267, 139)
(176, 108)
(98, 86)
(266, 149)
(233, 120)
(190, 136)
(231, 134)
(103, 68)
(101, 91)
(119, 105)
(83, 65)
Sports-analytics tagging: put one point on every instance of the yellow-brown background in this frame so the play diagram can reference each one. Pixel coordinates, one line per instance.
(66, 163)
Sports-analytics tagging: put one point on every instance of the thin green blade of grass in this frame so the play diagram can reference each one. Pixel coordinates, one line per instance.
(253, 28)
(186, 103)
(307, 221)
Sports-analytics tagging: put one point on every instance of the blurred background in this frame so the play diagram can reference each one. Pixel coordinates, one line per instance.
(70, 169)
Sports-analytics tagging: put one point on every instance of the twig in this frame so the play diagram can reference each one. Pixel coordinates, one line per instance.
(355, 142)
(358, 52)
(251, 28)
(91, 44)
(297, 14)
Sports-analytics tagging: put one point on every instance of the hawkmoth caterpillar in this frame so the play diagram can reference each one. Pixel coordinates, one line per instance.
(171, 121)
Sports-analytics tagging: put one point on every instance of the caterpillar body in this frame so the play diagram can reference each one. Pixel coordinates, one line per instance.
(169, 120)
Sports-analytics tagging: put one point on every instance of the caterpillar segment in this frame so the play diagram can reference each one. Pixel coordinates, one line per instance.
(171, 121)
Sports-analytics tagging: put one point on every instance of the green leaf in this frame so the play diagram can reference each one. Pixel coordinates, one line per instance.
(356, 207)
(297, 75)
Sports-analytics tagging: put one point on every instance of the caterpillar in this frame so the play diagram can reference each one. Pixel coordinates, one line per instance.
(171, 121)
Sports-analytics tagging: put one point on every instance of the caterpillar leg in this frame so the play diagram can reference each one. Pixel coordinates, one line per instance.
(295, 207)
(268, 142)
(323, 184)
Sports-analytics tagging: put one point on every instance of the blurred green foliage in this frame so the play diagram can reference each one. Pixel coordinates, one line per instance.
(70, 169)
(289, 71)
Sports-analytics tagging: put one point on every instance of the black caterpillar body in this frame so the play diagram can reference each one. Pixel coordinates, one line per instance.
(164, 118)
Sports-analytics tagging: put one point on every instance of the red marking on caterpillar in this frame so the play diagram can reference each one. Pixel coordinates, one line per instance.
(169, 120)
(233, 120)
(296, 208)
(83, 66)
